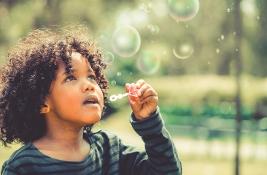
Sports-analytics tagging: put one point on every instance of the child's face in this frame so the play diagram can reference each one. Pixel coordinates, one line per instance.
(76, 97)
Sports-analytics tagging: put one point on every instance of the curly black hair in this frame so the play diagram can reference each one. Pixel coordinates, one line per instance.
(26, 78)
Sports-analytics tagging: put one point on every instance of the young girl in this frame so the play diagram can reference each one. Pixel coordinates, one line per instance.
(53, 91)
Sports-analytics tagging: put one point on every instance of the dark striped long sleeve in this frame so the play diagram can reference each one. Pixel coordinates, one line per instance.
(160, 156)
(108, 156)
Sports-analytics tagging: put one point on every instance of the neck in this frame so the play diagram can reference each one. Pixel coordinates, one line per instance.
(63, 135)
(66, 137)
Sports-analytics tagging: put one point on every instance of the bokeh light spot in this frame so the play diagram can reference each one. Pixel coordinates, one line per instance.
(113, 83)
(118, 74)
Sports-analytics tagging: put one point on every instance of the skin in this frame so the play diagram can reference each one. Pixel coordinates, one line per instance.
(67, 114)
(146, 101)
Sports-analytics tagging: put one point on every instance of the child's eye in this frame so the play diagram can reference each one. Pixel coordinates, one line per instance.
(92, 77)
(69, 78)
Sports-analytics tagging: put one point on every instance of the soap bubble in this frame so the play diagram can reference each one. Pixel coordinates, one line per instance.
(126, 41)
(183, 10)
(184, 51)
(148, 62)
(108, 57)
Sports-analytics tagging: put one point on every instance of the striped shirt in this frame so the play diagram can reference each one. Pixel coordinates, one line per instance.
(108, 156)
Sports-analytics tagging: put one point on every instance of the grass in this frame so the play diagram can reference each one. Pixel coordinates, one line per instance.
(204, 166)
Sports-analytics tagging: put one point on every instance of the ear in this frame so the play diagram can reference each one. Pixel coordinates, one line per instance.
(45, 109)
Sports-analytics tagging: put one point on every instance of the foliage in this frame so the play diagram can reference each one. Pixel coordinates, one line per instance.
(210, 33)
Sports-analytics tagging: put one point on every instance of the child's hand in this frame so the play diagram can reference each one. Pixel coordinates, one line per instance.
(144, 102)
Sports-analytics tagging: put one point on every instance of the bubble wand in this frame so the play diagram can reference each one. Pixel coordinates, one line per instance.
(132, 91)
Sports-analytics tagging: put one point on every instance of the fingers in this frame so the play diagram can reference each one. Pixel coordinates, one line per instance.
(141, 89)
(151, 99)
(145, 89)
(140, 83)
(127, 87)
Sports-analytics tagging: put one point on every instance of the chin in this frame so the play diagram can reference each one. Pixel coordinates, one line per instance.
(92, 119)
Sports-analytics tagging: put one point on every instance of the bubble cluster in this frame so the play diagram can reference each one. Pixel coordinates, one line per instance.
(183, 10)
(126, 41)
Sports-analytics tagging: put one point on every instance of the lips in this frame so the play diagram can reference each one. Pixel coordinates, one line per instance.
(92, 99)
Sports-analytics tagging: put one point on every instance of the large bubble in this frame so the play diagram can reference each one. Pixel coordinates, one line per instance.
(126, 41)
(183, 10)
(148, 62)
(184, 51)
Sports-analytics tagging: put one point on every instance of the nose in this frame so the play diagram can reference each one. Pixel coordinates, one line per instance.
(87, 86)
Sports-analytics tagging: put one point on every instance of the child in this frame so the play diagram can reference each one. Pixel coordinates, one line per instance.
(53, 90)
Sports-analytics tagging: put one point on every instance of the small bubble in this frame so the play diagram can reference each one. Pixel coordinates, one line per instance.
(217, 51)
(148, 62)
(108, 57)
(183, 10)
(183, 51)
(118, 74)
(222, 37)
(228, 10)
(258, 17)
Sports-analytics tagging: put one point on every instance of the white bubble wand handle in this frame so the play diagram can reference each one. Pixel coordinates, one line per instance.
(132, 91)
(120, 96)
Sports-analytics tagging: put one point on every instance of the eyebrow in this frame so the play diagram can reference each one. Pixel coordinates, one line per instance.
(74, 70)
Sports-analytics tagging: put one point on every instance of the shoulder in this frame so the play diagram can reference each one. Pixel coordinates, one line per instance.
(103, 137)
(23, 155)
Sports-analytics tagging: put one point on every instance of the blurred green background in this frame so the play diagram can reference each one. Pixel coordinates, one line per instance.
(206, 59)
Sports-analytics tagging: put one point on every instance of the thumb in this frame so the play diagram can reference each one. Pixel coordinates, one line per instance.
(128, 89)
(127, 86)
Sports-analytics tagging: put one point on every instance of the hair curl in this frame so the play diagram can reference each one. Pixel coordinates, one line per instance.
(26, 78)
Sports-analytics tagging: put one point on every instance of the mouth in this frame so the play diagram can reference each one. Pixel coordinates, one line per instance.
(91, 100)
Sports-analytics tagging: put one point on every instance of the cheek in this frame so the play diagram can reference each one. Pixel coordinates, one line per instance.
(101, 96)
(67, 98)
